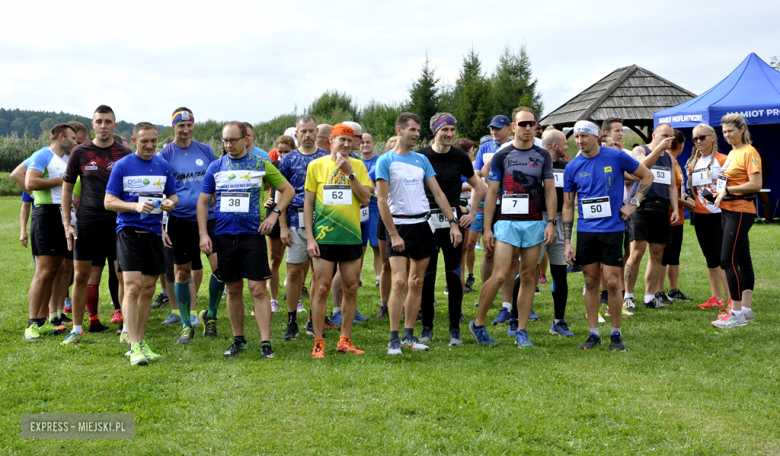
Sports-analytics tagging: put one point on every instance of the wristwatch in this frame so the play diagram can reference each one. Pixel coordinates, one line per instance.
(453, 220)
(277, 210)
(634, 201)
(553, 221)
(351, 176)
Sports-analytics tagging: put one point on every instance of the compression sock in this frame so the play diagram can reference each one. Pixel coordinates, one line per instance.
(560, 290)
(113, 287)
(216, 288)
(182, 291)
(93, 293)
(292, 316)
(515, 292)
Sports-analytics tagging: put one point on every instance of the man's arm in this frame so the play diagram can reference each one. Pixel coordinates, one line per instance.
(24, 216)
(645, 182)
(18, 175)
(446, 209)
(478, 192)
(551, 201)
(488, 213)
(285, 192)
(567, 217)
(362, 192)
(673, 196)
(33, 180)
(308, 221)
(113, 203)
(382, 188)
(202, 214)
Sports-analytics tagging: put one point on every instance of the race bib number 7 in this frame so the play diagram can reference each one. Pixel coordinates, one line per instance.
(234, 202)
(514, 204)
(337, 195)
(594, 208)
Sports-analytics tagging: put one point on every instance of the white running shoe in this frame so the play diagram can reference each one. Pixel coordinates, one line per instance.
(729, 321)
(748, 314)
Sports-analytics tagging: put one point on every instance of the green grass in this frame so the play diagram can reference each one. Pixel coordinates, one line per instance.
(682, 387)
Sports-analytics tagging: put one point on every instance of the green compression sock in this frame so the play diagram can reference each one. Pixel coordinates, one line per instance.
(216, 288)
(183, 298)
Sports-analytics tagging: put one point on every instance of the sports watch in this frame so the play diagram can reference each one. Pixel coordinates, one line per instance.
(351, 176)
(634, 201)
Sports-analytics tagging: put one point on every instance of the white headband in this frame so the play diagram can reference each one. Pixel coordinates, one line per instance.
(583, 126)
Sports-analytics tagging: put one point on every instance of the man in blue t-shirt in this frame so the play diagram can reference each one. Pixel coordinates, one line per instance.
(237, 181)
(369, 217)
(140, 187)
(250, 147)
(522, 174)
(595, 179)
(189, 160)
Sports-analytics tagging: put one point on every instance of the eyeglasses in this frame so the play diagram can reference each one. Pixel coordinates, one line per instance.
(526, 123)
(232, 141)
(700, 138)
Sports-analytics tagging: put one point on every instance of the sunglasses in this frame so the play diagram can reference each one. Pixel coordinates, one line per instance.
(700, 138)
(526, 123)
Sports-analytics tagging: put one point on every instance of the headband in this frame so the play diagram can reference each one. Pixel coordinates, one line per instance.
(442, 121)
(182, 116)
(341, 129)
(584, 126)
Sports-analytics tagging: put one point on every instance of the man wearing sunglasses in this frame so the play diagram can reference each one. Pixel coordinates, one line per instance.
(522, 173)
(236, 179)
(189, 160)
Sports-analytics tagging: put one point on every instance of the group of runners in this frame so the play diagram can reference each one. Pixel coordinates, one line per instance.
(153, 212)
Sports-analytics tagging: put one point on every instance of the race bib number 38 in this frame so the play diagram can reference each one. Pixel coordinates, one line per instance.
(234, 202)
(514, 204)
(337, 195)
(593, 208)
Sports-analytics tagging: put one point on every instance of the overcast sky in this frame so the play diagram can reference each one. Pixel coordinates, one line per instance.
(253, 60)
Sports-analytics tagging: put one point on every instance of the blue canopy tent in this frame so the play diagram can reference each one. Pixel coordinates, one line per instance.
(753, 90)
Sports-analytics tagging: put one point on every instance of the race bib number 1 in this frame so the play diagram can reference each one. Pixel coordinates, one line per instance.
(701, 177)
(558, 176)
(158, 197)
(593, 208)
(662, 175)
(514, 204)
(337, 195)
(234, 202)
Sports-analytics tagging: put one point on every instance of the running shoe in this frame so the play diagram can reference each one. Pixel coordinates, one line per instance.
(116, 316)
(624, 312)
(503, 316)
(318, 352)
(49, 329)
(97, 327)
(677, 295)
(591, 343)
(292, 331)
(265, 350)
(32, 333)
(209, 324)
(137, 357)
(533, 316)
(601, 319)
(414, 344)
(604, 297)
(394, 347)
(329, 325)
(68, 306)
(467, 288)
(561, 329)
(148, 353)
(129, 350)
(194, 320)
(301, 309)
(377, 283)
(427, 334)
(304, 292)
(522, 340)
(124, 338)
(656, 303)
(537, 292)
(512, 327)
(360, 283)
(274, 306)
(574, 269)
(470, 280)
(729, 321)
(336, 318)
(476, 304)
(186, 336)
(712, 303)
(481, 334)
(73, 338)
(160, 301)
(358, 317)
(478, 246)
(455, 339)
(64, 320)
(664, 299)
(345, 346)
(730, 303)
(629, 304)
(543, 280)
(235, 349)
(171, 320)
(382, 313)
(309, 327)
(435, 304)
(616, 342)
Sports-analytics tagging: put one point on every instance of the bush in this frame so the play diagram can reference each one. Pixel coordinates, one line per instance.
(14, 150)
(8, 187)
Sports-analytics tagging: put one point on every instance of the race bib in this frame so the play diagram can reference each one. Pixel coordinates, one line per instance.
(558, 176)
(439, 220)
(722, 180)
(514, 204)
(363, 214)
(662, 175)
(337, 195)
(153, 197)
(234, 202)
(701, 177)
(595, 208)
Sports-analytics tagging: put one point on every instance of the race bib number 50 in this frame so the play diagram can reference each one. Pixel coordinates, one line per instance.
(593, 208)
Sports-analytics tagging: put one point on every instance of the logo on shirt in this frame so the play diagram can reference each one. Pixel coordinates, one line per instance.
(199, 162)
(583, 174)
(92, 166)
(534, 162)
(137, 183)
(607, 169)
(110, 165)
(755, 162)
(411, 181)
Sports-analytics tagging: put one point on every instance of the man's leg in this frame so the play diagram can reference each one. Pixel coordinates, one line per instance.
(654, 274)
(528, 260)
(337, 292)
(399, 284)
(216, 287)
(133, 285)
(414, 292)
(632, 267)
(197, 278)
(46, 269)
(295, 277)
(93, 294)
(235, 306)
(60, 288)
(262, 307)
(81, 273)
(350, 277)
(428, 291)
(323, 271)
(183, 273)
(471, 256)
(506, 287)
(592, 274)
(503, 255)
(377, 261)
(275, 251)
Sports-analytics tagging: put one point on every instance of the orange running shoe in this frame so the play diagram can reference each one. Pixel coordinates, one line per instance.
(729, 303)
(329, 325)
(345, 346)
(319, 349)
(116, 316)
(723, 315)
(712, 303)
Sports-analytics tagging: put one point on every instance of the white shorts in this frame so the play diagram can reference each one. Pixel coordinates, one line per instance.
(297, 253)
(554, 250)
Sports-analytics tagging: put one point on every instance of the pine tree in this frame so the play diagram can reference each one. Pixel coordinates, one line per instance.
(424, 98)
(513, 85)
(472, 102)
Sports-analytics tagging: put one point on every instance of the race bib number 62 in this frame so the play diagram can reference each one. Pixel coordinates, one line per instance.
(337, 195)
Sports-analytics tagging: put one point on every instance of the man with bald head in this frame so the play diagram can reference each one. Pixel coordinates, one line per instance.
(323, 133)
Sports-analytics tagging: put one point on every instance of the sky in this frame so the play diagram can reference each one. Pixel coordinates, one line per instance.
(254, 60)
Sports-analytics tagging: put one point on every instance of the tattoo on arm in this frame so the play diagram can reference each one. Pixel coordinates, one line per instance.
(638, 154)
(643, 189)
(567, 227)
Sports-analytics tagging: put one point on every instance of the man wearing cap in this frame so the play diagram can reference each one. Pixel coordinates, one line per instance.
(595, 179)
(402, 176)
(336, 186)
(449, 163)
(189, 161)
(522, 173)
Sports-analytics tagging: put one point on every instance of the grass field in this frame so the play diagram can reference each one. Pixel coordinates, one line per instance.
(682, 387)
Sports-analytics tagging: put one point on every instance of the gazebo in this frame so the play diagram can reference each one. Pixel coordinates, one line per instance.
(631, 93)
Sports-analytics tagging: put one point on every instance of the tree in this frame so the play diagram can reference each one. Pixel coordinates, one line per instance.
(424, 98)
(512, 84)
(333, 103)
(18, 126)
(47, 124)
(378, 119)
(775, 62)
(472, 102)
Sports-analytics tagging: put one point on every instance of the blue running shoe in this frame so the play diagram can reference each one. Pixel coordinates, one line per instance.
(533, 316)
(359, 317)
(336, 318)
(574, 269)
(478, 246)
(503, 316)
(483, 338)
(512, 327)
(522, 340)
(561, 329)
(171, 320)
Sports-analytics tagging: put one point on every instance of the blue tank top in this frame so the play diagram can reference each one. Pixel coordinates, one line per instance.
(656, 190)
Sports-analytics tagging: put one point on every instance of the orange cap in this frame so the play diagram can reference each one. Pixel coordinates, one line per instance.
(341, 129)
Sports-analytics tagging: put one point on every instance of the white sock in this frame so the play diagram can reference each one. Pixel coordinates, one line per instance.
(746, 309)
(736, 313)
(595, 331)
(78, 329)
(508, 306)
(649, 298)
(628, 295)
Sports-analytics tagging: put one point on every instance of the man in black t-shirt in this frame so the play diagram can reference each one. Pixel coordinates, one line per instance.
(450, 164)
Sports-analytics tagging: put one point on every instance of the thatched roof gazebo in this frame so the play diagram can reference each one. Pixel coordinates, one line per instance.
(631, 93)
